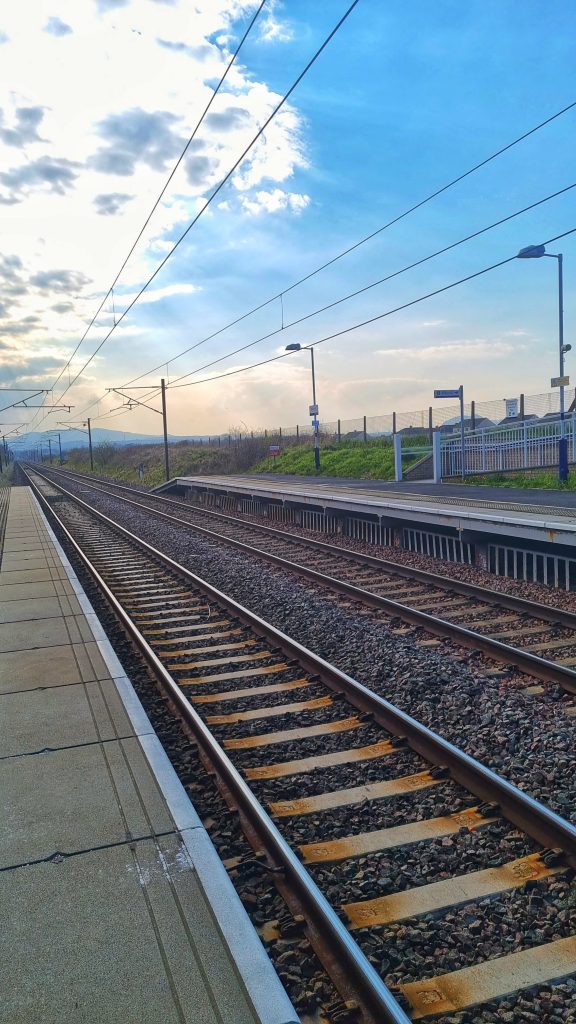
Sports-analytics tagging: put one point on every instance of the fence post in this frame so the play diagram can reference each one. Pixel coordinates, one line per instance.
(397, 457)
(473, 415)
(265, 433)
(219, 441)
(522, 407)
(280, 432)
(365, 434)
(297, 431)
(525, 441)
(430, 432)
(437, 456)
(394, 423)
(339, 432)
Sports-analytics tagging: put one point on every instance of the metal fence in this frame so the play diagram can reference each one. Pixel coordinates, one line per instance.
(418, 423)
(526, 445)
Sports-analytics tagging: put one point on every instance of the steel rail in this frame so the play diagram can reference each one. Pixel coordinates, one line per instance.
(522, 605)
(375, 994)
(532, 817)
(531, 664)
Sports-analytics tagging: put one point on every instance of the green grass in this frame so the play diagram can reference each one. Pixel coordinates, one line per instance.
(121, 463)
(544, 478)
(373, 460)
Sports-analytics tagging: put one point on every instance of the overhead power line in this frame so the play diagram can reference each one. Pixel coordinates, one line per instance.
(160, 196)
(154, 390)
(166, 184)
(216, 191)
(362, 241)
(372, 319)
(374, 284)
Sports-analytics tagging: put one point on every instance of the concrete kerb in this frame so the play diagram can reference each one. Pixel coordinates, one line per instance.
(263, 988)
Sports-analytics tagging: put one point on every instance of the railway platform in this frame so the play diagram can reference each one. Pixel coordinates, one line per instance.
(525, 538)
(114, 903)
(454, 510)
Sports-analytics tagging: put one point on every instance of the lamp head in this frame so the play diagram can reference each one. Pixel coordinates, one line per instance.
(531, 252)
(294, 347)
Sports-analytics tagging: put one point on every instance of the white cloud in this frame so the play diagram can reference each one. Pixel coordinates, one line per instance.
(476, 349)
(157, 294)
(141, 74)
(273, 200)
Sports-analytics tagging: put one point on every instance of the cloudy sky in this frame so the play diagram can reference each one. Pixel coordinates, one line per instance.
(97, 101)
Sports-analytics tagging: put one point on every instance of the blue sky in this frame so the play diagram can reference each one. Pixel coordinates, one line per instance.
(406, 97)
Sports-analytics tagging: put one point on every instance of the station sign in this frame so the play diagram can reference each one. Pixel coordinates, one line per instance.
(559, 382)
(274, 450)
(511, 408)
(313, 411)
(447, 393)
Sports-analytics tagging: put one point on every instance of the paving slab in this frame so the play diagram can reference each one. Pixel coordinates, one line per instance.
(35, 608)
(28, 575)
(16, 561)
(61, 716)
(77, 799)
(28, 634)
(54, 666)
(103, 919)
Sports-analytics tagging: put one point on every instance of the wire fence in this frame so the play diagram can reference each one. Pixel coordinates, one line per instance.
(420, 423)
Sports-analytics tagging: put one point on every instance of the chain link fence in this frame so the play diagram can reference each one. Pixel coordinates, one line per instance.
(410, 425)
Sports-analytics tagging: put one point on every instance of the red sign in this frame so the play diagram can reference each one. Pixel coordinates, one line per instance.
(274, 450)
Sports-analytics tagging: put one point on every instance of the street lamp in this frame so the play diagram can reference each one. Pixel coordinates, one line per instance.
(534, 252)
(297, 347)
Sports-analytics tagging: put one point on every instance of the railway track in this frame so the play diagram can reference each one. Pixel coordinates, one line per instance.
(385, 840)
(535, 638)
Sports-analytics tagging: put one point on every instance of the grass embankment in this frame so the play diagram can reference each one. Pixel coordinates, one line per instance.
(122, 462)
(545, 478)
(371, 460)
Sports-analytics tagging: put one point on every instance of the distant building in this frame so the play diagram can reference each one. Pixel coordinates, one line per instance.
(528, 418)
(479, 423)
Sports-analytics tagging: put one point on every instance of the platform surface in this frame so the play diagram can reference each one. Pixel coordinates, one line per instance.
(459, 507)
(113, 902)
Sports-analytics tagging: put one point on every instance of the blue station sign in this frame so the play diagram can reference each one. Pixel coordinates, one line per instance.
(447, 393)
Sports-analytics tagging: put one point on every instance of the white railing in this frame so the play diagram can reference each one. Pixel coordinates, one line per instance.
(514, 446)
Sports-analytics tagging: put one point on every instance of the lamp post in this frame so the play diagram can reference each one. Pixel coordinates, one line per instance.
(534, 252)
(297, 347)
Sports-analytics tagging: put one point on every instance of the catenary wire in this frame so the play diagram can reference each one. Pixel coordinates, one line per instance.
(167, 182)
(154, 390)
(373, 284)
(215, 192)
(371, 320)
(362, 241)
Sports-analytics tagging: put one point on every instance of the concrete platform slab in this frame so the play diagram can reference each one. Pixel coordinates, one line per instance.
(36, 608)
(28, 634)
(56, 666)
(76, 799)
(22, 560)
(104, 919)
(8, 577)
(61, 716)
